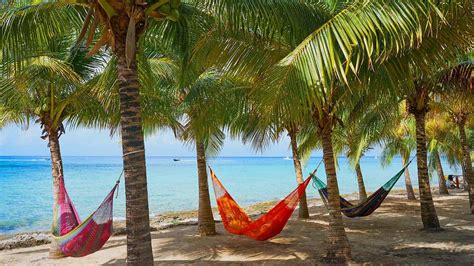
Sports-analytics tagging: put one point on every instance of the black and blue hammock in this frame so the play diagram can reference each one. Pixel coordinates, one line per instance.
(365, 207)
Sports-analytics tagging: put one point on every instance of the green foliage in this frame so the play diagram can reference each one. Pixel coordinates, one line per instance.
(51, 86)
(443, 139)
(254, 68)
(24, 29)
(365, 129)
(400, 138)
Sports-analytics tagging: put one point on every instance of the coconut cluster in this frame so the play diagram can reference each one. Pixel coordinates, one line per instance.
(166, 8)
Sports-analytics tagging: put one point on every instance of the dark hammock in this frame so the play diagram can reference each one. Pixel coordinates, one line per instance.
(77, 239)
(365, 207)
(236, 221)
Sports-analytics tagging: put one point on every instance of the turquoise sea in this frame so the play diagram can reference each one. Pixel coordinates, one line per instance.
(26, 197)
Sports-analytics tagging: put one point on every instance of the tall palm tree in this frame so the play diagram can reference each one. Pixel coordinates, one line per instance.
(416, 71)
(50, 90)
(417, 105)
(359, 133)
(400, 140)
(207, 98)
(263, 124)
(441, 140)
(303, 211)
(121, 25)
(457, 102)
(245, 53)
(208, 109)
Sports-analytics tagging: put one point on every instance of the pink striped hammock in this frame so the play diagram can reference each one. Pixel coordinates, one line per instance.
(76, 238)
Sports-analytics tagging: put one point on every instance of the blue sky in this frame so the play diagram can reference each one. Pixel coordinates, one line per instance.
(91, 142)
(83, 142)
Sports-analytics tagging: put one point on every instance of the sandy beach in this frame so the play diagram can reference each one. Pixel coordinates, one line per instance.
(391, 235)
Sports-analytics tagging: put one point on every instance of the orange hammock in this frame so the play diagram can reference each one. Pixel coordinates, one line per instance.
(236, 221)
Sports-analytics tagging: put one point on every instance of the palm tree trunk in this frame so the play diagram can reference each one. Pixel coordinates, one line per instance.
(206, 224)
(139, 251)
(56, 169)
(360, 183)
(303, 212)
(468, 173)
(338, 248)
(443, 190)
(408, 185)
(428, 211)
(465, 185)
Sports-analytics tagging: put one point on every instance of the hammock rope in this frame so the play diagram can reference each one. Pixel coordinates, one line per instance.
(76, 238)
(365, 207)
(236, 221)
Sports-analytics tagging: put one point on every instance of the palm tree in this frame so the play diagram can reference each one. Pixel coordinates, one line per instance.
(50, 90)
(457, 102)
(441, 140)
(416, 71)
(208, 109)
(303, 212)
(245, 53)
(263, 124)
(400, 140)
(207, 98)
(357, 136)
(122, 24)
(417, 105)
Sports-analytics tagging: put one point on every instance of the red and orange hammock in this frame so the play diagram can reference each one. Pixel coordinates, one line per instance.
(236, 221)
(76, 238)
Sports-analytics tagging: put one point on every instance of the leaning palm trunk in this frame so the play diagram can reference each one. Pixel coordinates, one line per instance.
(303, 212)
(139, 251)
(408, 185)
(443, 190)
(56, 168)
(468, 173)
(360, 183)
(338, 248)
(206, 224)
(428, 211)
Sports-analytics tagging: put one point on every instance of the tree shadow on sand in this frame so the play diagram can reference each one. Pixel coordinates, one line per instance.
(391, 235)
(184, 245)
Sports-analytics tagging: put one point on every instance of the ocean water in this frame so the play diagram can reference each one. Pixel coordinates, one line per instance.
(26, 186)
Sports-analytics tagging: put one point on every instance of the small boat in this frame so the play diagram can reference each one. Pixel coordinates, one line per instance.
(176, 160)
(287, 158)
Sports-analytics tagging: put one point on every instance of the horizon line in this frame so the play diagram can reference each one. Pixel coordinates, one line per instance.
(185, 156)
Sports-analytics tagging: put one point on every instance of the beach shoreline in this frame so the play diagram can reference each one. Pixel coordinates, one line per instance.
(162, 221)
(391, 235)
(157, 222)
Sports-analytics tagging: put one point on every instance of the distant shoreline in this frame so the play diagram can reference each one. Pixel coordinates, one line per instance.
(188, 156)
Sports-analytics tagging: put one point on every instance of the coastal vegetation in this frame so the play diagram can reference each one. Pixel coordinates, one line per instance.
(339, 76)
